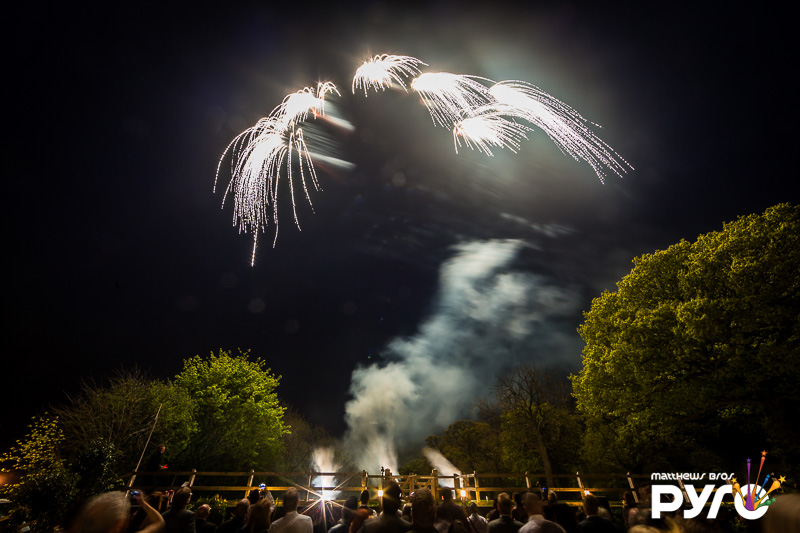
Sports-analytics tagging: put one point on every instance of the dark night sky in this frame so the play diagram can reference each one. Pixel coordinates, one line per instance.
(120, 254)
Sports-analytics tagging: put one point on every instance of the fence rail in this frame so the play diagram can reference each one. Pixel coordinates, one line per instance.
(468, 487)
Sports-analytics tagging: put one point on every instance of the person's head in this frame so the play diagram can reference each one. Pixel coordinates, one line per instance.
(458, 526)
(517, 499)
(241, 508)
(423, 508)
(590, 505)
(782, 515)
(602, 512)
(391, 498)
(359, 515)
(259, 517)
(447, 495)
(203, 511)
(504, 504)
(533, 503)
(552, 497)
(365, 497)
(349, 507)
(181, 498)
(254, 496)
(290, 500)
(105, 513)
(473, 508)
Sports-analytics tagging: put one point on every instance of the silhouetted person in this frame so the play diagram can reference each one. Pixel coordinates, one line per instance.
(519, 513)
(155, 463)
(348, 513)
(536, 522)
(292, 522)
(201, 523)
(178, 519)
(388, 521)
(783, 515)
(258, 518)
(504, 524)
(594, 523)
(477, 523)
(111, 512)
(449, 510)
(238, 520)
(423, 512)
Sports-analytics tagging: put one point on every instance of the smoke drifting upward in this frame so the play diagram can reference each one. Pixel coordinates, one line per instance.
(485, 319)
(440, 462)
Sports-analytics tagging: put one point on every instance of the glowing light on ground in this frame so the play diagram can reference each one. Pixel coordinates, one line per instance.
(322, 460)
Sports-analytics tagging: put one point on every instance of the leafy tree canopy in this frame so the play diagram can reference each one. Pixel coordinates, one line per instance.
(119, 415)
(239, 420)
(698, 348)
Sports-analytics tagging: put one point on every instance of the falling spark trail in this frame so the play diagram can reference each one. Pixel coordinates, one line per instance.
(451, 97)
(565, 126)
(487, 128)
(382, 71)
(259, 155)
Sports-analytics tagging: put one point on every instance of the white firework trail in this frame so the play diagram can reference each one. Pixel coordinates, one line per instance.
(450, 97)
(489, 128)
(260, 154)
(382, 71)
(565, 126)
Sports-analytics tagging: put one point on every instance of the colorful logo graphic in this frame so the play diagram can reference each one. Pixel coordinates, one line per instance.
(754, 498)
(750, 501)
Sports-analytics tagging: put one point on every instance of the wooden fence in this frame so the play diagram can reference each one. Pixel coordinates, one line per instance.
(476, 487)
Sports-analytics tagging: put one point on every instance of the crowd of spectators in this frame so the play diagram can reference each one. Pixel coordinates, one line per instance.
(532, 512)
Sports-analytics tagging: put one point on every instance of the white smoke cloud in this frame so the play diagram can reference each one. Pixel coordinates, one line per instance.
(486, 318)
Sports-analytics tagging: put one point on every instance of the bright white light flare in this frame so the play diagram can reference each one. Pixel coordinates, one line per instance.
(488, 128)
(296, 106)
(450, 97)
(565, 126)
(382, 71)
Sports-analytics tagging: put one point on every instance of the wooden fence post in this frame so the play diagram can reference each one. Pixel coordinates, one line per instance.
(477, 489)
(249, 483)
(633, 488)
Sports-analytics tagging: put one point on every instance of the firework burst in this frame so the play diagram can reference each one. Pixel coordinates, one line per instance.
(263, 153)
(489, 128)
(565, 126)
(383, 70)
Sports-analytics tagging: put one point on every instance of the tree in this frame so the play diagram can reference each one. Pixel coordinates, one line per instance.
(239, 420)
(115, 419)
(698, 348)
(536, 419)
(46, 486)
(471, 446)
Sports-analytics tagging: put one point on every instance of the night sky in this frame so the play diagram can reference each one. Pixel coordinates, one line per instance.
(120, 255)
